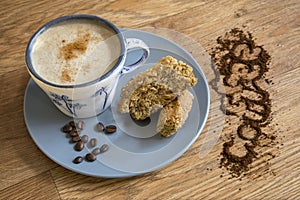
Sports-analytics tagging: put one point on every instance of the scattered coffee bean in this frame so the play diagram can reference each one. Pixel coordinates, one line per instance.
(67, 128)
(79, 146)
(100, 127)
(85, 138)
(72, 123)
(80, 125)
(93, 142)
(104, 148)
(96, 151)
(78, 160)
(75, 139)
(73, 129)
(74, 133)
(110, 129)
(90, 157)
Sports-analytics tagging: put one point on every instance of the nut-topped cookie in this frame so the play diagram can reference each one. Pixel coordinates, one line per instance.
(175, 75)
(147, 98)
(174, 114)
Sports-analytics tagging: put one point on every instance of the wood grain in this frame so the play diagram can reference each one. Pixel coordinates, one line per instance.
(36, 187)
(26, 173)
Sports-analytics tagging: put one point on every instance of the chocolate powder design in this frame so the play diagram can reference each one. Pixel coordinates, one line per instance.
(242, 66)
(70, 51)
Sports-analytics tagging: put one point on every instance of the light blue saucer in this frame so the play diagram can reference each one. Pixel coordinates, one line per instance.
(133, 149)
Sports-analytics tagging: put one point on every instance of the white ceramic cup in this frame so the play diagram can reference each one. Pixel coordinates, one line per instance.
(95, 96)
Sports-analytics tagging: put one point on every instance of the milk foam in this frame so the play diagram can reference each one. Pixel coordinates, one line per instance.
(75, 52)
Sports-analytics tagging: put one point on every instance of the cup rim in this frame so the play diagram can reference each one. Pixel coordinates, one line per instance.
(72, 17)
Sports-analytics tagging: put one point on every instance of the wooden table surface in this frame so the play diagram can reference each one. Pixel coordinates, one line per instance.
(26, 173)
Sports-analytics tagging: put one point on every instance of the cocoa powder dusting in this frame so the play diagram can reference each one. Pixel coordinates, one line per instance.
(70, 51)
(242, 66)
(65, 76)
(73, 49)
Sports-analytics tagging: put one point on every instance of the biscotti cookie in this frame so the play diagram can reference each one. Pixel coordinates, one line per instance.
(174, 114)
(147, 98)
(168, 72)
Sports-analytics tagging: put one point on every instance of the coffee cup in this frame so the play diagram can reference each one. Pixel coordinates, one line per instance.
(77, 61)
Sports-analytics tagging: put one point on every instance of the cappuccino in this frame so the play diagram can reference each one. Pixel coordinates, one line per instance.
(75, 52)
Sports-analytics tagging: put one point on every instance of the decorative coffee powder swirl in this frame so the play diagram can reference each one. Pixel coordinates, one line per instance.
(242, 66)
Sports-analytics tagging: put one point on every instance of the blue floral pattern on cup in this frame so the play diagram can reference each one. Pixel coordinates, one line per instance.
(103, 91)
(66, 103)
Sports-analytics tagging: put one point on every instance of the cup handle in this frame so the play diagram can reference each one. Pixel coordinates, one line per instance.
(136, 43)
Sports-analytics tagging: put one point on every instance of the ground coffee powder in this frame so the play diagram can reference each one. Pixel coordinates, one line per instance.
(241, 65)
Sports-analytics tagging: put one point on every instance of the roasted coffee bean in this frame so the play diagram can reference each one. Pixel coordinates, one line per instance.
(78, 160)
(84, 138)
(96, 151)
(93, 142)
(74, 133)
(67, 128)
(100, 127)
(79, 146)
(72, 123)
(90, 157)
(75, 139)
(104, 148)
(81, 125)
(110, 129)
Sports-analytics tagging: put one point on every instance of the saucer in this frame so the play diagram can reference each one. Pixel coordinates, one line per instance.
(133, 149)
